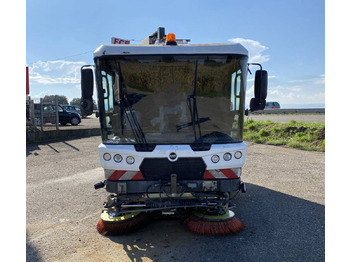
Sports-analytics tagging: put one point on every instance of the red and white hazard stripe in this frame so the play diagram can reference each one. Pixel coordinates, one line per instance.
(123, 175)
(222, 173)
(208, 174)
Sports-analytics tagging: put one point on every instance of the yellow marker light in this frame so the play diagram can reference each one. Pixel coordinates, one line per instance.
(171, 39)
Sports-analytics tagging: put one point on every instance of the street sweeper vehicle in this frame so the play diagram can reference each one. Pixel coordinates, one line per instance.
(171, 117)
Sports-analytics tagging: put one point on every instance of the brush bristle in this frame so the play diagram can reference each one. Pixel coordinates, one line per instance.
(214, 228)
(107, 228)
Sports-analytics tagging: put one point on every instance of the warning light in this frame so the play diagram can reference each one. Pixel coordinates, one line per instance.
(170, 39)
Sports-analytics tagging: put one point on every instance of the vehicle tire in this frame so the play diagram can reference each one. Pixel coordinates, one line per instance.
(74, 121)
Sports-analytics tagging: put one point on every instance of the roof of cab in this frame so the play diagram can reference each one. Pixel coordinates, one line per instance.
(193, 49)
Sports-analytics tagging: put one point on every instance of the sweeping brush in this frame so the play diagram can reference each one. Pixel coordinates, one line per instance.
(111, 226)
(203, 224)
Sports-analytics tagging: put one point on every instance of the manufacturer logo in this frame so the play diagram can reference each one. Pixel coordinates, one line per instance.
(172, 156)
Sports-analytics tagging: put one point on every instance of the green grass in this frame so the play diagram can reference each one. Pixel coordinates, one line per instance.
(301, 135)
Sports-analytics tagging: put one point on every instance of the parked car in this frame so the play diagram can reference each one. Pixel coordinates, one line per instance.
(64, 116)
(72, 108)
(48, 114)
(272, 105)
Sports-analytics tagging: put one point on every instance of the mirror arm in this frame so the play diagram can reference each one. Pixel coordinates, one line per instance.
(255, 64)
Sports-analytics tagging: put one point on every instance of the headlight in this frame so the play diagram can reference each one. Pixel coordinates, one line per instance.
(107, 156)
(238, 154)
(118, 158)
(215, 158)
(227, 156)
(130, 160)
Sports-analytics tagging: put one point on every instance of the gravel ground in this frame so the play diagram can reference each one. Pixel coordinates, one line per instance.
(283, 211)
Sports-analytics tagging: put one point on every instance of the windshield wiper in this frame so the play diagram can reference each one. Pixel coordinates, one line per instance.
(201, 120)
(192, 105)
(133, 122)
(128, 111)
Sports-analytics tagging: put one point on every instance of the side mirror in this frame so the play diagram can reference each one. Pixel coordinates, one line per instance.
(260, 91)
(87, 89)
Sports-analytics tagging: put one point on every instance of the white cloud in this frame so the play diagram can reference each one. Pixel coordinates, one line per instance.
(250, 92)
(41, 94)
(304, 91)
(55, 72)
(296, 89)
(255, 49)
(299, 91)
(251, 78)
(59, 77)
(320, 80)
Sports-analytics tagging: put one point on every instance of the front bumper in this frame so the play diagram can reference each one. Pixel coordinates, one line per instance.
(198, 186)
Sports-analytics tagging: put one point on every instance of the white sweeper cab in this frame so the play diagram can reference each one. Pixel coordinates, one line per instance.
(171, 117)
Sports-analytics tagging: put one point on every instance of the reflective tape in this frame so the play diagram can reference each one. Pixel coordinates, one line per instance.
(123, 175)
(222, 173)
(208, 174)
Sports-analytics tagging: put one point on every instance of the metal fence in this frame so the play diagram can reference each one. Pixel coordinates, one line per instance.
(43, 115)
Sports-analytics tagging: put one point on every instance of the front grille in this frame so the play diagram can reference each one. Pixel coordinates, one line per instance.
(162, 168)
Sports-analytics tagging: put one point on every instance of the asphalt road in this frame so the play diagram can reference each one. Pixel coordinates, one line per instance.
(283, 211)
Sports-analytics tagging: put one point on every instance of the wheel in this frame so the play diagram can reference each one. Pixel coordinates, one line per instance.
(74, 121)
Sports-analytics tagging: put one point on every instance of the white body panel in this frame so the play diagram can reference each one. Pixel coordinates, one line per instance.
(163, 151)
(161, 50)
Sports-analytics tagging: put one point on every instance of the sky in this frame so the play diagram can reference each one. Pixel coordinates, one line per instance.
(286, 37)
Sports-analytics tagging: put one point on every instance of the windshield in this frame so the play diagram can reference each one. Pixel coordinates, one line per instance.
(171, 99)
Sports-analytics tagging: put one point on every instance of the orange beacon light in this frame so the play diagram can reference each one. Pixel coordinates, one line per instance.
(171, 39)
